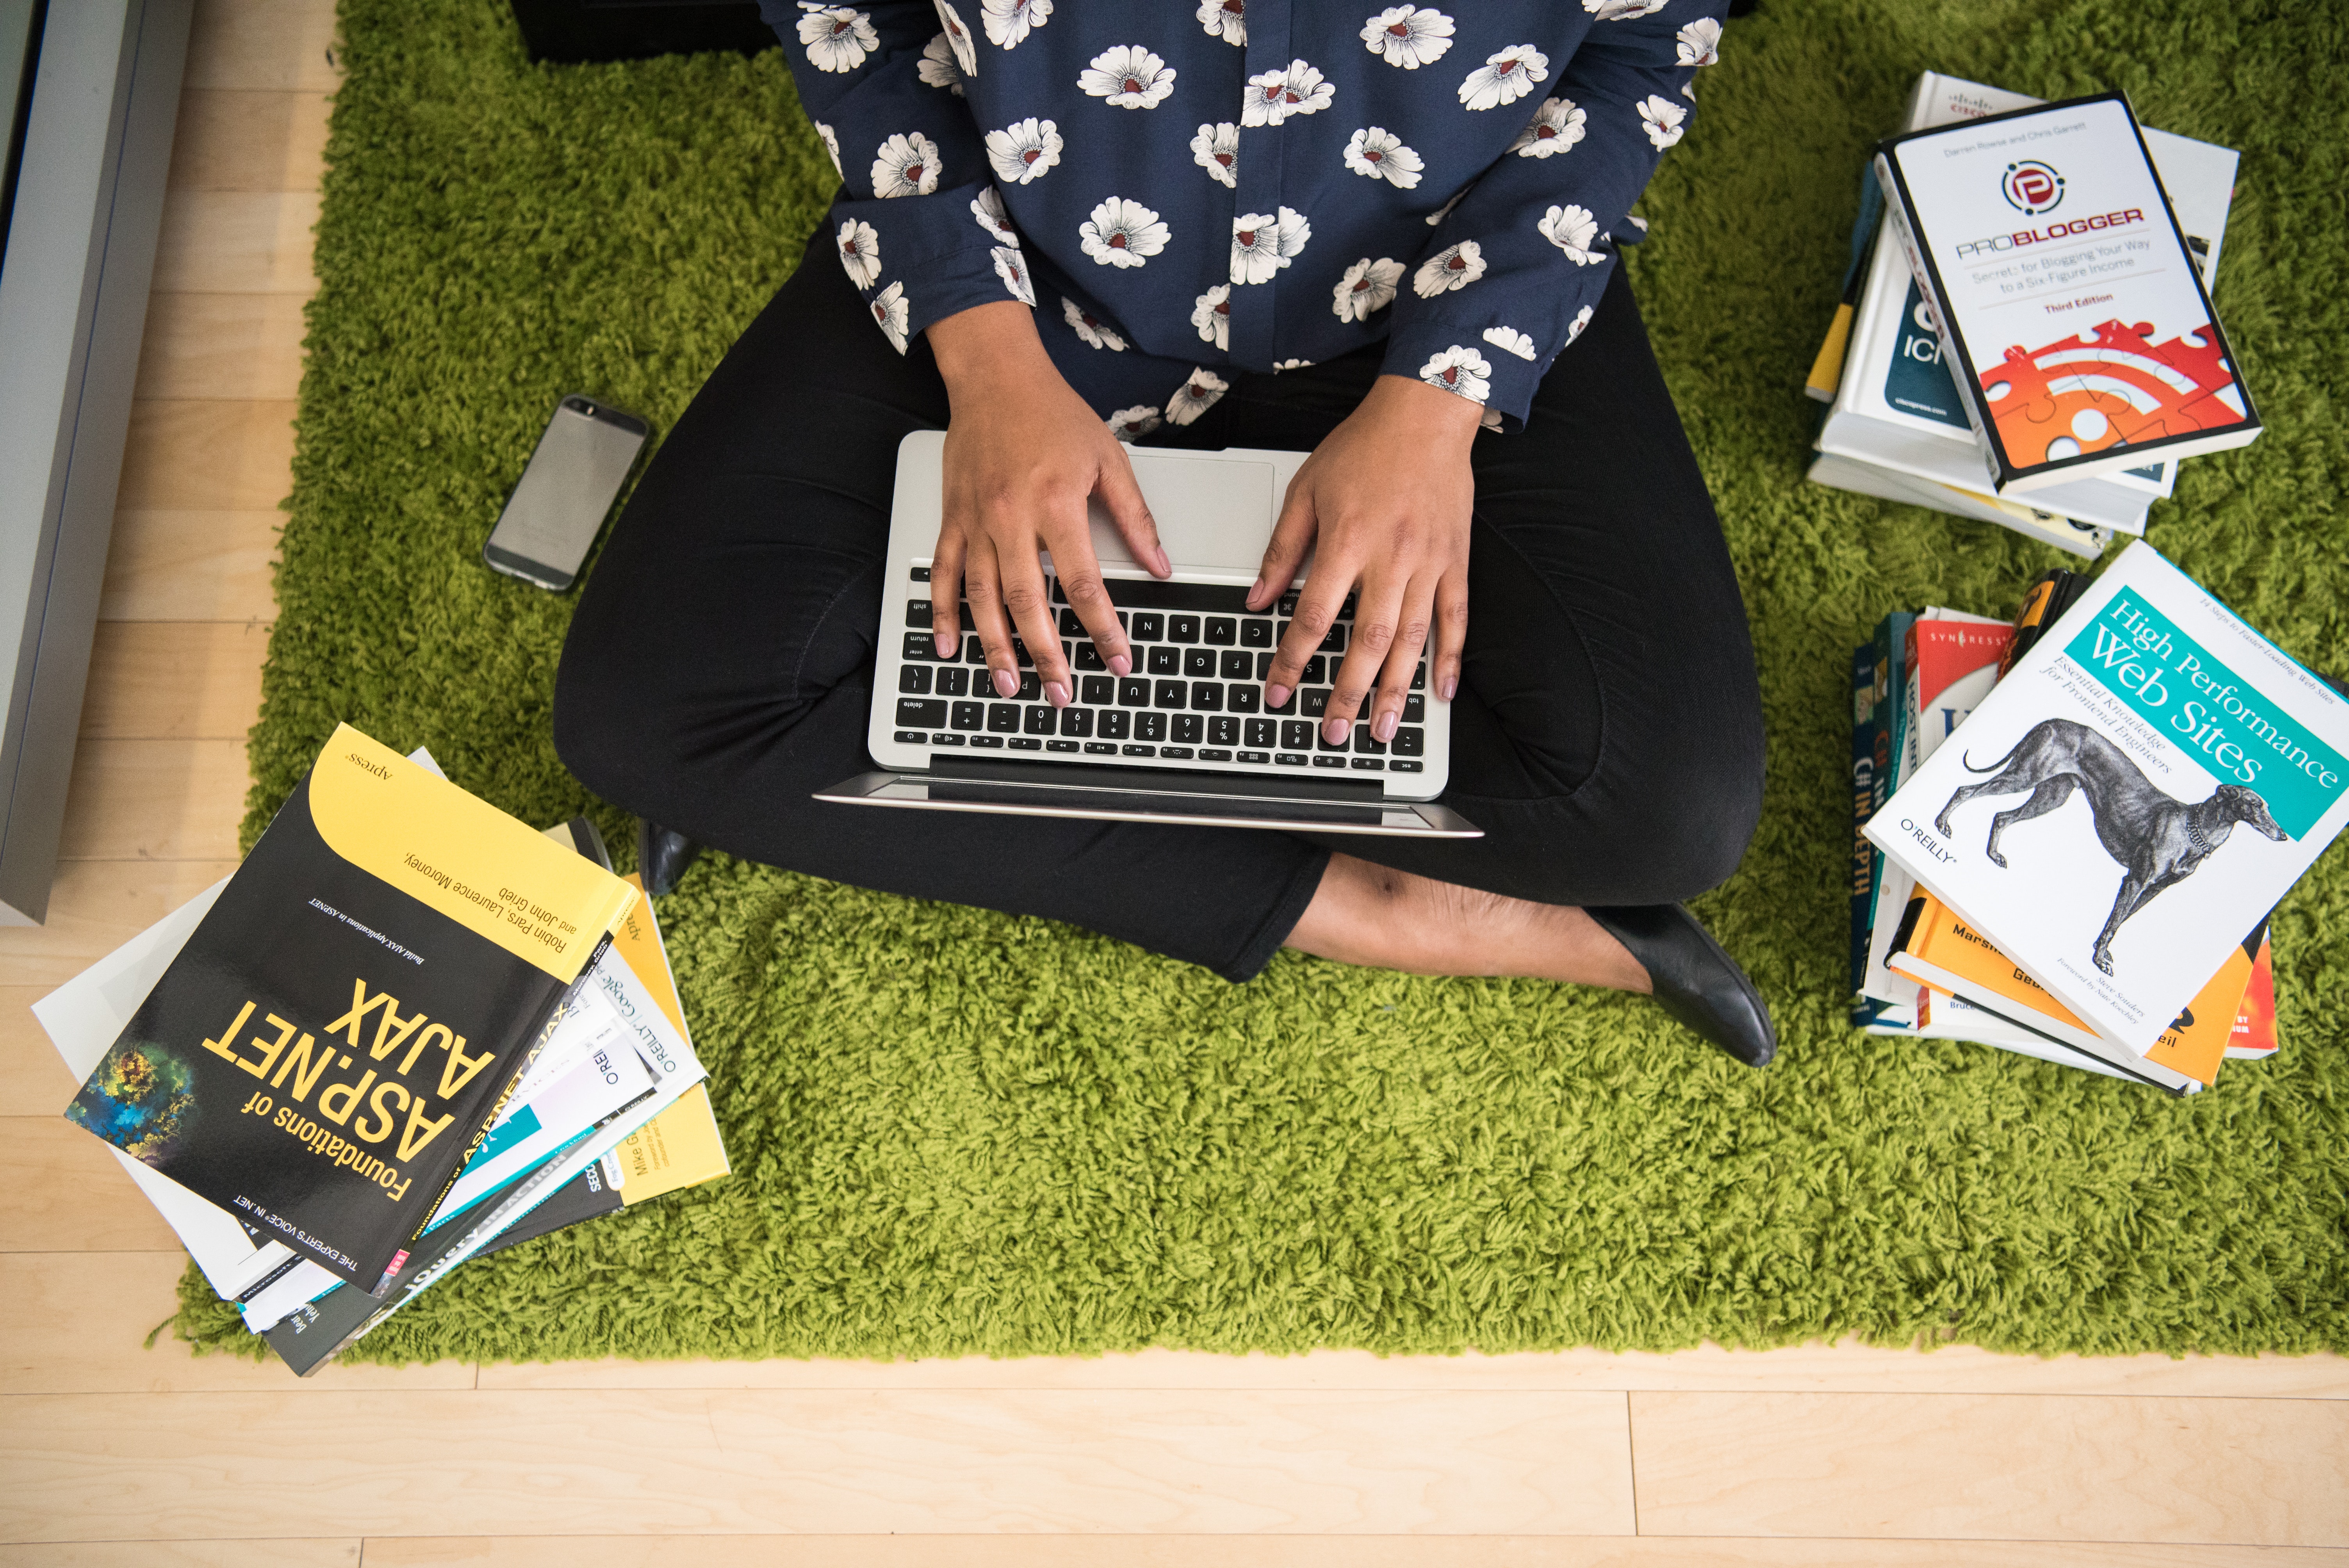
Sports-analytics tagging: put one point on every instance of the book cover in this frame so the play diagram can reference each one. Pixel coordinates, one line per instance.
(337, 1033)
(2066, 299)
(2147, 785)
(2254, 1035)
(1863, 806)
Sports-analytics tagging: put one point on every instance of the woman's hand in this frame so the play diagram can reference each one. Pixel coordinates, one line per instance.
(1023, 452)
(1387, 496)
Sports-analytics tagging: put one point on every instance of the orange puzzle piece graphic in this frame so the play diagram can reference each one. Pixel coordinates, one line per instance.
(2105, 388)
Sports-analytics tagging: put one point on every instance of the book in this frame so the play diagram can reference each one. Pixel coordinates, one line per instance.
(2254, 1036)
(1871, 1010)
(1943, 1016)
(2066, 299)
(2050, 594)
(2151, 739)
(339, 1030)
(1864, 801)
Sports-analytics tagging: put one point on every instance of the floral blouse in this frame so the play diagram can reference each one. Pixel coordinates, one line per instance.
(1255, 184)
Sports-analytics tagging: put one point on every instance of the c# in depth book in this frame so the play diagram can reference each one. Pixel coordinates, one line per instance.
(339, 1032)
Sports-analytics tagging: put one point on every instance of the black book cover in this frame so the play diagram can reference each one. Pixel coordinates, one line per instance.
(339, 1033)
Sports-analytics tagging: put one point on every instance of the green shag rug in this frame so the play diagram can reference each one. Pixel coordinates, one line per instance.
(958, 1133)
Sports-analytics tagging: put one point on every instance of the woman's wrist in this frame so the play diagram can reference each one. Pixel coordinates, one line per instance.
(985, 342)
(1444, 417)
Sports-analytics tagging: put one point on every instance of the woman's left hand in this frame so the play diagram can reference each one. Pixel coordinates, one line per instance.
(1383, 504)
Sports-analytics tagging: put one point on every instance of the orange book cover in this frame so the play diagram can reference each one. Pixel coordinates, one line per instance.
(2255, 1020)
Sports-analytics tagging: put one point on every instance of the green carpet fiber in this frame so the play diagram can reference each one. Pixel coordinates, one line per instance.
(957, 1133)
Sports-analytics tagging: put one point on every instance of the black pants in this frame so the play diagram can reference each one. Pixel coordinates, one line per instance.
(1607, 735)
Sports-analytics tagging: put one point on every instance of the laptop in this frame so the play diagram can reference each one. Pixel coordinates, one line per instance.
(1186, 738)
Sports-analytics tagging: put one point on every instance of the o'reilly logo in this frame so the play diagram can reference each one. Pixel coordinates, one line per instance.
(2033, 187)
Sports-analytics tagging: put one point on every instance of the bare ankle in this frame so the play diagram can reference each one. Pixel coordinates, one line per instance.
(1381, 918)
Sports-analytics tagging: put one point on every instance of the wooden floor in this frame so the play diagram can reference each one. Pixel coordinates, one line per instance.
(114, 1454)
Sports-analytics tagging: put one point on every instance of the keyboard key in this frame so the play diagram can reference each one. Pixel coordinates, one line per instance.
(1316, 701)
(1031, 687)
(1188, 727)
(1206, 696)
(1040, 720)
(1099, 748)
(1288, 759)
(1180, 753)
(1071, 624)
(1243, 698)
(1088, 657)
(1165, 661)
(1368, 764)
(1002, 719)
(921, 574)
(1419, 675)
(1408, 742)
(954, 680)
(914, 679)
(994, 741)
(913, 737)
(1222, 631)
(1076, 722)
(1286, 705)
(1262, 733)
(1114, 724)
(1150, 727)
(970, 715)
(1322, 742)
(1214, 755)
(921, 646)
(1366, 743)
(1170, 694)
(1287, 605)
(1027, 660)
(1100, 691)
(1263, 666)
(1134, 692)
(1060, 746)
(1025, 743)
(1234, 665)
(918, 613)
(1335, 642)
(925, 714)
(945, 738)
(1329, 762)
(1223, 732)
(1142, 752)
(1256, 756)
(1145, 627)
(1256, 632)
(974, 651)
(1403, 765)
(1414, 710)
(1199, 662)
(1182, 628)
(1296, 735)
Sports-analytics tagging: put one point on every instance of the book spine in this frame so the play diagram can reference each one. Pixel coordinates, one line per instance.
(1968, 392)
(1864, 855)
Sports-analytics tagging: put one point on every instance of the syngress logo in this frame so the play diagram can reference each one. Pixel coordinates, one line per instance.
(2033, 187)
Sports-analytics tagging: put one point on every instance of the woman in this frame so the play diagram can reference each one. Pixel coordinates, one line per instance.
(1384, 235)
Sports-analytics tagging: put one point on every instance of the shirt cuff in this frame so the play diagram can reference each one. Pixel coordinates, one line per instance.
(918, 260)
(1492, 368)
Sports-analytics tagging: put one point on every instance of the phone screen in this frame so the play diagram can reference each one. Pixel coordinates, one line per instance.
(556, 512)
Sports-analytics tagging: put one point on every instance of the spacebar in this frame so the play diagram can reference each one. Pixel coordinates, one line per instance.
(1211, 598)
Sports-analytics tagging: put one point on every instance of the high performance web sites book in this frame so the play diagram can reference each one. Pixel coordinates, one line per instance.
(339, 1031)
(2070, 310)
(2147, 784)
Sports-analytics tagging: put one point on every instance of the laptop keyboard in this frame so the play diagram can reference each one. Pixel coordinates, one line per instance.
(1196, 692)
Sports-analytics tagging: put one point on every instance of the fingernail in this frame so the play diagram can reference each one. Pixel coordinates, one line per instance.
(945, 642)
(1448, 686)
(1276, 695)
(1335, 730)
(1384, 728)
(1056, 694)
(1164, 565)
(1007, 683)
(1254, 588)
(1121, 664)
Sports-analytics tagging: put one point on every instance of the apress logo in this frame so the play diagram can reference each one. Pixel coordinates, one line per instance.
(2033, 187)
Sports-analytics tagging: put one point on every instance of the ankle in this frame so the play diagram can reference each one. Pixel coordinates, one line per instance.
(1381, 918)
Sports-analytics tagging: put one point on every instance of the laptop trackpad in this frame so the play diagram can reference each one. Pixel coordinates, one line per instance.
(1213, 512)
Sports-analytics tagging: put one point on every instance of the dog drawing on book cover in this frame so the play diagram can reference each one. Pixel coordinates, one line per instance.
(2158, 840)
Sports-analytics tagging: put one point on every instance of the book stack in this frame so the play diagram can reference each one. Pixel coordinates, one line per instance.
(1901, 426)
(407, 1031)
(2069, 831)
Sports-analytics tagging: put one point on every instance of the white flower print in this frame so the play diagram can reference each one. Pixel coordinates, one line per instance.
(1262, 245)
(1452, 268)
(1009, 21)
(1622, 10)
(1569, 228)
(1128, 423)
(860, 253)
(837, 38)
(1196, 397)
(1504, 76)
(938, 68)
(1662, 117)
(1013, 270)
(958, 38)
(1509, 340)
(988, 208)
(1091, 328)
(1292, 365)
(1636, 222)
(1555, 127)
(1443, 212)
(1367, 286)
(830, 145)
(1461, 370)
(1023, 152)
(1224, 19)
(1581, 320)
(1380, 154)
(1688, 90)
(889, 310)
(1216, 149)
(1273, 96)
(1700, 42)
(1130, 76)
(1213, 316)
(1123, 234)
(1408, 35)
(906, 166)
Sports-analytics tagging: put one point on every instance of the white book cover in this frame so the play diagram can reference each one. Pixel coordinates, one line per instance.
(2069, 308)
(2146, 783)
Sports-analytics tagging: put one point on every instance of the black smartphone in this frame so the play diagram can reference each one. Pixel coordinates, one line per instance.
(556, 512)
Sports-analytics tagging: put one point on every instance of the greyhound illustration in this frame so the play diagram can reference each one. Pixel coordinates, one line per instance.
(2158, 840)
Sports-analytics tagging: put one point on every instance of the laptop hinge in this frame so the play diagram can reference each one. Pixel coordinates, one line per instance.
(1155, 780)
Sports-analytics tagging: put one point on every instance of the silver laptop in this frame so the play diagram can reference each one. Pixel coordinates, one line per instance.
(1186, 738)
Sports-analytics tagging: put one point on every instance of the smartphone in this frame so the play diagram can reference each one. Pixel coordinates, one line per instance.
(556, 512)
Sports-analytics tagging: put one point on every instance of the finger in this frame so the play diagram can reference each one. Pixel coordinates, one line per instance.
(1293, 536)
(1122, 497)
(1318, 604)
(1378, 612)
(1451, 632)
(1088, 596)
(946, 589)
(1395, 677)
(980, 585)
(1020, 578)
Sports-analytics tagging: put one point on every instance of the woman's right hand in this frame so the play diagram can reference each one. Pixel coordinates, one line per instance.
(1023, 453)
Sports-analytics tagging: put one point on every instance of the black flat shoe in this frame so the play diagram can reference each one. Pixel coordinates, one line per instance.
(662, 856)
(1695, 980)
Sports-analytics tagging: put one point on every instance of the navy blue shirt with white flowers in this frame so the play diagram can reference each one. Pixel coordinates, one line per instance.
(1254, 183)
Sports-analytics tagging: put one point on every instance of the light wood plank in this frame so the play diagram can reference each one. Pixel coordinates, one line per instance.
(250, 141)
(1962, 1467)
(191, 566)
(174, 680)
(590, 1464)
(155, 799)
(1290, 1552)
(1808, 1368)
(236, 242)
(269, 44)
(33, 1077)
(94, 908)
(202, 455)
(78, 1323)
(185, 1554)
(62, 1191)
(235, 346)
